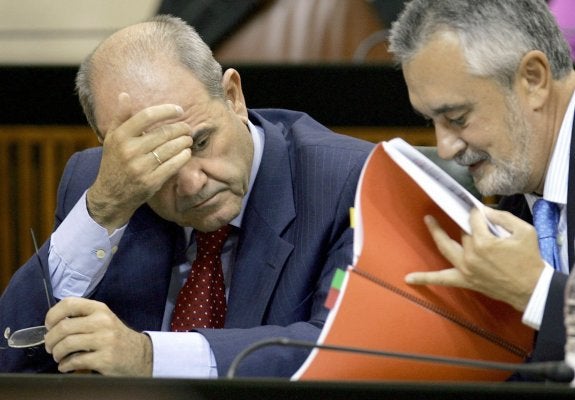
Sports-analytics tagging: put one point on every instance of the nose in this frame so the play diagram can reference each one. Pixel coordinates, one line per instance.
(449, 144)
(190, 179)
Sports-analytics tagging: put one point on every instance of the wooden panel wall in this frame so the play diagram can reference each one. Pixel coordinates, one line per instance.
(32, 159)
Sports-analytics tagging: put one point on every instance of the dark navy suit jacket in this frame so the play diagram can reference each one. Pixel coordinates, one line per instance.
(550, 342)
(295, 232)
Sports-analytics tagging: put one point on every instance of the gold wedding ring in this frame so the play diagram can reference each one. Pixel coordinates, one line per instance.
(157, 157)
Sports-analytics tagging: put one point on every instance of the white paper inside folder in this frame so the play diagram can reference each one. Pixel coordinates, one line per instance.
(443, 189)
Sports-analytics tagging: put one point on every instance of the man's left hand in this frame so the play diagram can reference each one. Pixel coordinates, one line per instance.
(85, 335)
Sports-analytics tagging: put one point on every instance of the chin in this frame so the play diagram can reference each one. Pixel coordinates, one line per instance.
(493, 187)
(213, 222)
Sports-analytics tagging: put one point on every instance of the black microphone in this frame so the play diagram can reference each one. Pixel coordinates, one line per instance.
(557, 371)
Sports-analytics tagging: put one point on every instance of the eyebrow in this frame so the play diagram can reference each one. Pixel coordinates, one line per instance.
(443, 109)
(447, 108)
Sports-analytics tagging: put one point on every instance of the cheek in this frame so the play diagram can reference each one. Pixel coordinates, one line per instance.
(233, 172)
(243, 172)
(162, 202)
(236, 163)
(487, 134)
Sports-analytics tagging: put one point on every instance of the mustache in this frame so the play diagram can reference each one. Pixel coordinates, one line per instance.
(470, 157)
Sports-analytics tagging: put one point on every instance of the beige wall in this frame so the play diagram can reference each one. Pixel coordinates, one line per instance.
(62, 32)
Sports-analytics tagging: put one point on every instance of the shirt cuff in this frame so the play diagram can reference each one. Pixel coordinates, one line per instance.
(533, 315)
(182, 355)
(80, 252)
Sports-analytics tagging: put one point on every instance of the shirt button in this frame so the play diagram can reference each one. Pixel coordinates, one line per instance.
(100, 253)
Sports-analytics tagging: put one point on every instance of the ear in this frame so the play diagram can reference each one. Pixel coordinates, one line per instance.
(535, 78)
(234, 96)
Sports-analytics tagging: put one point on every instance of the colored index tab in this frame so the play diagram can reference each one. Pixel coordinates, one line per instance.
(337, 280)
(334, 290)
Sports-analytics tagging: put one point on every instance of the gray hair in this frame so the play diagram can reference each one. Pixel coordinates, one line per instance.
(494, 34)
(161, 34)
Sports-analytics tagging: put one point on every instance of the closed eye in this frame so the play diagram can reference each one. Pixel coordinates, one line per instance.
(202, 140)
(457, 122)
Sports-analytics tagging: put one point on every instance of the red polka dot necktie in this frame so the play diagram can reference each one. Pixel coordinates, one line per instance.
(201, 302)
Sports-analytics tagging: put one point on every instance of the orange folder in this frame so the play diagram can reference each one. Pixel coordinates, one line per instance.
(377, 310)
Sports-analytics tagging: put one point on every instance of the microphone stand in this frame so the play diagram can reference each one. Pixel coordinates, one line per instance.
(557, 371)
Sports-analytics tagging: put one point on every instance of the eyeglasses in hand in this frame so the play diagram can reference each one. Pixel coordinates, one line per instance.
(33, 336)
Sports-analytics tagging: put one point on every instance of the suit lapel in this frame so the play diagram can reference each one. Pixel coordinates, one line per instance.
(142, 269)
(262, 252)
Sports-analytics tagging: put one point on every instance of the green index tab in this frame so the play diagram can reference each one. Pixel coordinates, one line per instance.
(337, 280)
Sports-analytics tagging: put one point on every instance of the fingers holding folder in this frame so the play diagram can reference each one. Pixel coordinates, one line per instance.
(494, 266)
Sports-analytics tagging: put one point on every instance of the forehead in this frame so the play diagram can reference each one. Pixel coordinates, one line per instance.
(148, 84)
(437, 76)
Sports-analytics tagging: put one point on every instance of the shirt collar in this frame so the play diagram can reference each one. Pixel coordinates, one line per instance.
(556, 179)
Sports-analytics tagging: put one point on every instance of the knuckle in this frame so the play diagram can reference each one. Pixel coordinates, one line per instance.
(118, 150)
(66, 326)
(68, 301)
(74, 361)
(183, 129)
(481, 245)
(148, 115)
(469, 259)
(70, 344)
(136, 172)
(63, 349)
(105, 320)
(164, 132)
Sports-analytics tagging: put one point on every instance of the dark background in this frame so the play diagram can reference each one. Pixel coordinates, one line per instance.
(334, 94)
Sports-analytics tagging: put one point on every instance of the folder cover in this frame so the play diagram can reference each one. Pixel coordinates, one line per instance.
(377, 310)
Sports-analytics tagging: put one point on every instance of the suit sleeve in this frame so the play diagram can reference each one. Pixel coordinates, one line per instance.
(23, 304)
(550, 342)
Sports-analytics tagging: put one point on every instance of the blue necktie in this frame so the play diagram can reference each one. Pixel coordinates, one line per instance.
(546, 220)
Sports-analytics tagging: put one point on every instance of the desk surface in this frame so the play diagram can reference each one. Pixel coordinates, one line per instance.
(79, 387)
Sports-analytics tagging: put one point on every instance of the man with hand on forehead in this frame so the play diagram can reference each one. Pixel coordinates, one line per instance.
(183, 161)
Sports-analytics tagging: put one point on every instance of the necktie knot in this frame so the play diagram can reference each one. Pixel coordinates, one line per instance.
(211, 243)
(545, 218)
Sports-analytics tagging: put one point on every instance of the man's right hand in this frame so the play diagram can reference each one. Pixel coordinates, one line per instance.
(130, 173)
(503, 268)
